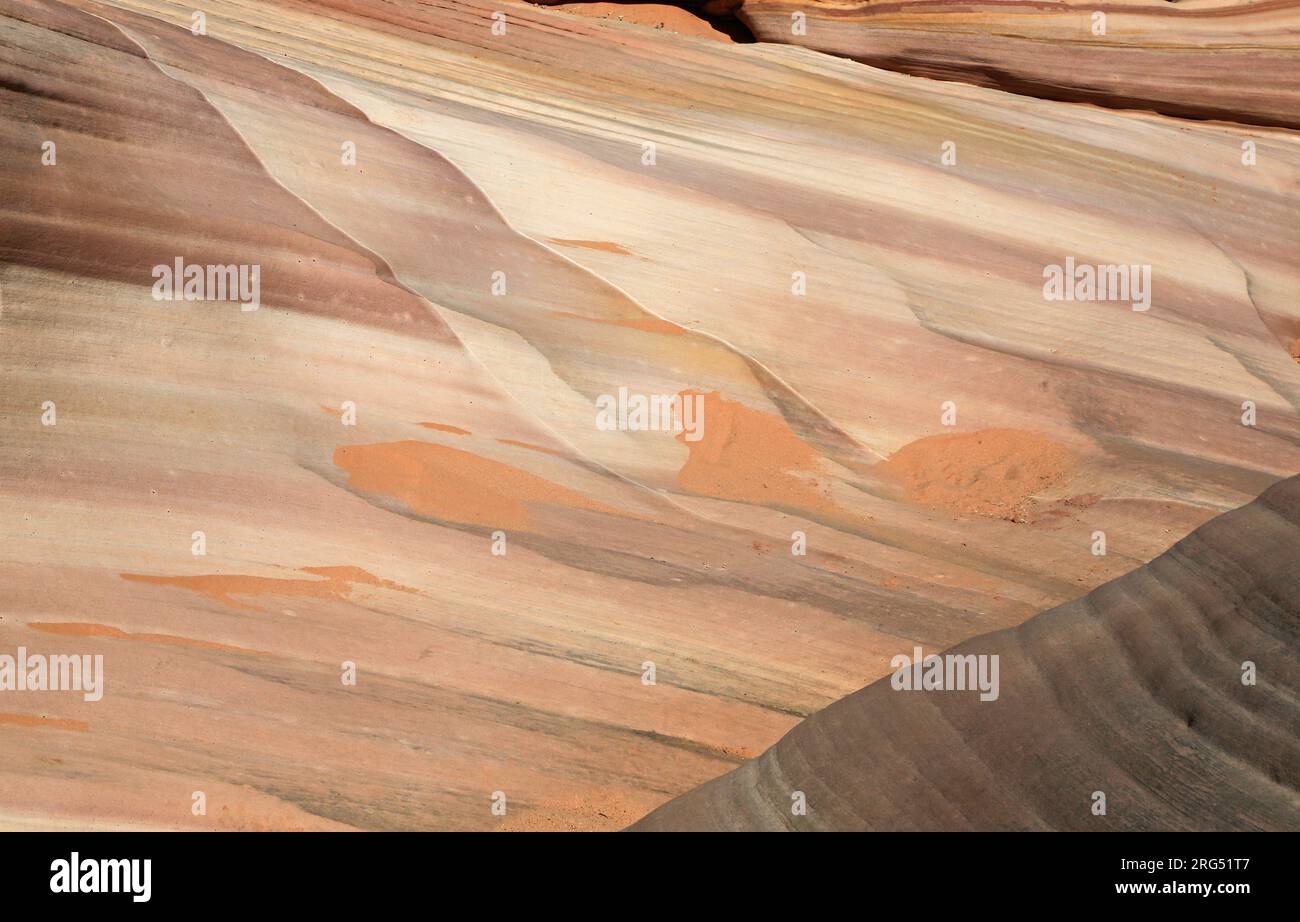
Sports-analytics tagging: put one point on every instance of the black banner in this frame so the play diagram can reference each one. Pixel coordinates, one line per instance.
(130, 871)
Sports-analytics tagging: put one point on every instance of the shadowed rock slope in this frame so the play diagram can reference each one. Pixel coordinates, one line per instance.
(1135, 691)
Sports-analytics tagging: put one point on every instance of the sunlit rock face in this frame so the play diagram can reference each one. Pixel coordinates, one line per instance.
(1202, 59)
(489, 417)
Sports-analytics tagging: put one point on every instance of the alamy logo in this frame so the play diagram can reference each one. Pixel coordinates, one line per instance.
(103, 875)
(950, 672)
(37, 672)
(1082, 282)
(193, 282)
(656, 413)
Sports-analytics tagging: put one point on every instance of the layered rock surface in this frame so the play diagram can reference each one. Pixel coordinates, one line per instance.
(770, 228)
(1233, 60)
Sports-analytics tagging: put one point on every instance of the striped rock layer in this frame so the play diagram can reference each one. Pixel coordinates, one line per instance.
(231, 504)
(1232, 60)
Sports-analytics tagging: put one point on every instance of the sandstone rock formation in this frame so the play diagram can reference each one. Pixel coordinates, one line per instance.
(471, 231)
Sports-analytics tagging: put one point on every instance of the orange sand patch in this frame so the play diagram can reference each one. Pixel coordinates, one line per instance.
(453, 485)
(82, 629)
(993, 472)
(654, 15)
(1083, 501)
(645, 325)
(56, 723)
(336, 584)
(443, 427)
(750, 456)
(603, 245)
(531, 447)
